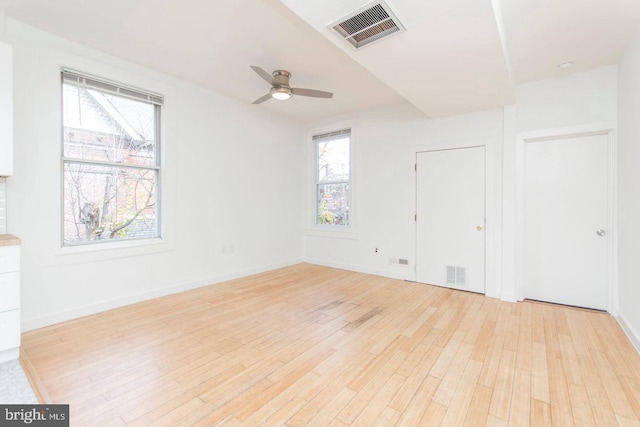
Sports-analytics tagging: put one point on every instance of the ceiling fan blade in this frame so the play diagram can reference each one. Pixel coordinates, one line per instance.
(262, 73)
(311, 92)
(263, 99)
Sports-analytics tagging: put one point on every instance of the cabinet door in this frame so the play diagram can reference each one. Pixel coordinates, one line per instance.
(6, 111)
(9, 259)
(9, 291)
(9, 330)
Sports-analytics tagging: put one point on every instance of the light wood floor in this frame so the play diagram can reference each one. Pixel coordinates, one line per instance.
(309, 345)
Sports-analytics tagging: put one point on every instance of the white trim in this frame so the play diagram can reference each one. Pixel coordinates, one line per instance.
(331, 233)
(492, 226)
(505, 263)
(634, 337)
(11, 354)
(359, 269)
(40, 322)
(50, 249)
(601, 128)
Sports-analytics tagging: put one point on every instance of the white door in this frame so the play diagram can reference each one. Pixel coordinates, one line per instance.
(565, 221)
(450, 218)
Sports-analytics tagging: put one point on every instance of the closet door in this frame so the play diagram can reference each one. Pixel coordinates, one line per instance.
(451, 218)
(566, 205)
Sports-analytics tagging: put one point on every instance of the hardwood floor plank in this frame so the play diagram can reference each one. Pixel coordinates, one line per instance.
(503, 389)
(520, 412)
(580, 406)
(312, 345)
(479, 407)
(449, 383)
(600, 405)
(333, 407)
(370, 388)
(434, 415)
(412, 414)
(614, 390)
(539, 373)
(413, 382)
(631, 387)
(460, 400)
(491, 362)
(389, 417)
(379, 402)
(540, 413)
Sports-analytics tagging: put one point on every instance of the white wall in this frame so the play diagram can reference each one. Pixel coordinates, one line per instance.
(575, 99)
(629, 191)
(384, 141)
(231, 189)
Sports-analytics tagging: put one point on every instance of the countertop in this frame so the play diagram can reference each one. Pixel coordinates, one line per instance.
(9, 240)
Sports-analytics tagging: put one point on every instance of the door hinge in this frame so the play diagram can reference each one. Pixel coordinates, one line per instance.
(415, 217)
(415, 167)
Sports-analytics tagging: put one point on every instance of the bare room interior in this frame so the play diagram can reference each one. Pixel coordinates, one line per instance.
(328, 213)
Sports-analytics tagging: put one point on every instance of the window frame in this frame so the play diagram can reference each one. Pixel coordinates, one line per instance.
(113, 87)
(316, 140)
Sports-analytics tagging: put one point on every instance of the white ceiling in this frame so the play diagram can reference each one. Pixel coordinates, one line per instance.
(456, 55)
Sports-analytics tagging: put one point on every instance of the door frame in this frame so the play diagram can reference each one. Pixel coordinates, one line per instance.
(607, 129)
(492, 220)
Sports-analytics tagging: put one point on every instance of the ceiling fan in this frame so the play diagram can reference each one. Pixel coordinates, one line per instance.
(280, 88)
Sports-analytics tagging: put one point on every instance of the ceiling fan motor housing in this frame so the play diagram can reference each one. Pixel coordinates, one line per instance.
(281, 89)
(281, 78)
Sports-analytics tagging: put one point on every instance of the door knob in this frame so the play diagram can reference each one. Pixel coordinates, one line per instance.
(479, 228)
(601, 232)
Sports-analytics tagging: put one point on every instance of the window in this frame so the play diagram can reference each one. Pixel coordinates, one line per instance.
(332, 178)
(110, 161)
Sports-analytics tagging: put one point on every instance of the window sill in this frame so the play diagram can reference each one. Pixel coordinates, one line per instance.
(108, 246)
(105, 251)
(332, 234)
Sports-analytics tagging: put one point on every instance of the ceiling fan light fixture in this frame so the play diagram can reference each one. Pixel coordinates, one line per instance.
(281, 93)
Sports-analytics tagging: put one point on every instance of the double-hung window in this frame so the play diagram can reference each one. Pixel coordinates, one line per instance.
(110, 161)
(333, 193)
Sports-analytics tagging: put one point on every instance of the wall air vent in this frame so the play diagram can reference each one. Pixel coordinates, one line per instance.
(367, 25)
(456, 276)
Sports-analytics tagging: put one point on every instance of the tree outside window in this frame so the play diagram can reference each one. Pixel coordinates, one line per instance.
(333, 178)
(111, 162)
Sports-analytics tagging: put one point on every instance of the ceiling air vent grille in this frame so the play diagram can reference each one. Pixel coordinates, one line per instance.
(368, 24)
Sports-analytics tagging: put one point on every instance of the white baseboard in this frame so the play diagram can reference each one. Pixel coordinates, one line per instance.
(508, 297)
(40, 322)
(359, 269)
(10, 354)
(633, 335)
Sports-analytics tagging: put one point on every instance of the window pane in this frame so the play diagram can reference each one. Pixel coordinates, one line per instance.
(333, 204)
(333, 160)
(104, 203)
(103, 127)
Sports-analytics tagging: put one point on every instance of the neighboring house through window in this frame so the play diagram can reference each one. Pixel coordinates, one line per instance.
(333, 193)
(110, 161)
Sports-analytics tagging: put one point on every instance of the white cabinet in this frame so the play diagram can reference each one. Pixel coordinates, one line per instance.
(9, 298)
(6, 110)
